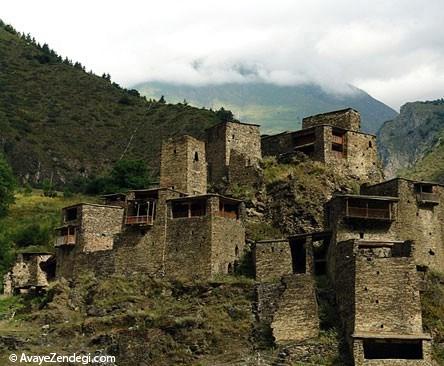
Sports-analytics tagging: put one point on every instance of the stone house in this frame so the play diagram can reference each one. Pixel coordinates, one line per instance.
(30, 272)
(373, 278)
(333, 138)
(233, 153)
(177, 230)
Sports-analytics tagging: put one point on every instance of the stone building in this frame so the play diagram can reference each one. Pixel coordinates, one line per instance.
(29, 273)
(333, 138)
(85, 228)
(286, 294)
(183, 165)
(177, 230)
(373, 278)
(419, 217)
(233, 153)
(204, 234)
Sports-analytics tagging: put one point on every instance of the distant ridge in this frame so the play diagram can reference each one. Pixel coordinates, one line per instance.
(276, 108)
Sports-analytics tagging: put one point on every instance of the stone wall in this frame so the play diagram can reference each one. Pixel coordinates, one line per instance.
(372, 280)
(272, 259)
(99, 224)
(348, 119)
(188, 247)
(26, 273)
(359, 158)
(183, 165)
(418, 221)
(296, 317)
(382, 284)
(143, 249)
(240, 140)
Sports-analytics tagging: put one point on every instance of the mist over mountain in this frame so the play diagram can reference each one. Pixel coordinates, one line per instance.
(276, 108)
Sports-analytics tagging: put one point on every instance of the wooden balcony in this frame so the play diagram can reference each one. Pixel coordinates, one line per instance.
(139, 220)
(426, 197)
(65, 240)
(369, 213)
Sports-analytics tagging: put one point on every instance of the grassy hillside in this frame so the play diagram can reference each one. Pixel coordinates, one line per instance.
(59, 121)
(30, 224)
(276, 108)
(411, 144)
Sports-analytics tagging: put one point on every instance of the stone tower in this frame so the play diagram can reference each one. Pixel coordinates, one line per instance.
(183, 165)
(233, 152)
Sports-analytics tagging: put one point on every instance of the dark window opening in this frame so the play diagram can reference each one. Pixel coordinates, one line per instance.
(402, 249)
(236, 251)
(71, 214)
(431, 252)
(370, 144)
(307, 150)
(228, 210)
(320, 252)
(198, 208)
(230, 268)
(196, 156)
(298, 256)
(300, 140)
(179, 210)
(361, 235)
(424, 188)
(188, 209)
(392, 349)
(320, 268)
(49, 267)
(175, 151)
(421, 268)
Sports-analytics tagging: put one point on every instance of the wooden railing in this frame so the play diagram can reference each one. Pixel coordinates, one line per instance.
(428, 197)
(65, 240)
(139, 220)
(369, 213)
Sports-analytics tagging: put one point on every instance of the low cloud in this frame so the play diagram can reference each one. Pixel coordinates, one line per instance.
(394, 50)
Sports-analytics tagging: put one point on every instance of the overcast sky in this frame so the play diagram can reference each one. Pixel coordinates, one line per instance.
(393, 49)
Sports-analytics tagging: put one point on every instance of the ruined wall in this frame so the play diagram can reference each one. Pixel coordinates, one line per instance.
(272, 260)
(98, 226)
(26, 272)
(296, 317)
(232, 138)
(348, 119)
(183, 165)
